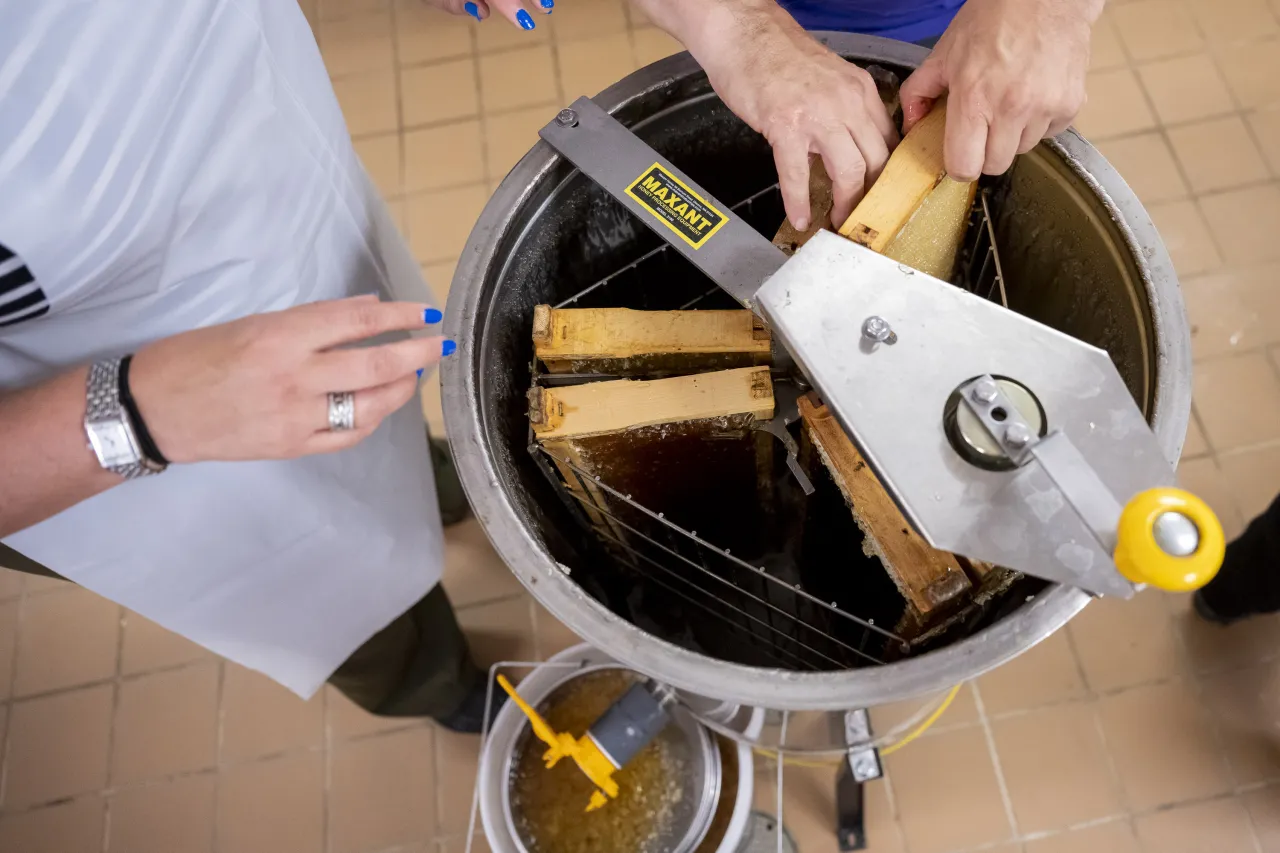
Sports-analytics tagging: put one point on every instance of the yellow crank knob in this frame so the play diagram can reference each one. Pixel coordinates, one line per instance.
(1170, 539)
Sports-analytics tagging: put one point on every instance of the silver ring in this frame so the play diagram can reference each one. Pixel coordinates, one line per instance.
(342, 411)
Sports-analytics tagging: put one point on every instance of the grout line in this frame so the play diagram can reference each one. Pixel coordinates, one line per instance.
(326, 745)
(219, 740)
(1001, 783)
(19, 619)
(122, 616)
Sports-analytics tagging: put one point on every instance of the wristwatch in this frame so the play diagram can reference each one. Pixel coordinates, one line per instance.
(116, 431)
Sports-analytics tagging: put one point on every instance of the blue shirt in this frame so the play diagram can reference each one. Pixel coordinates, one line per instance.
(905, 20)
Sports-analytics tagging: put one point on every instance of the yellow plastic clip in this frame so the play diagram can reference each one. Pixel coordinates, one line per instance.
(1170, 539)
(584, 752)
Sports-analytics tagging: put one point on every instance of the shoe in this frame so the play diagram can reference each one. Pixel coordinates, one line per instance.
(1206, 612)
(452, 499)
(469, 718)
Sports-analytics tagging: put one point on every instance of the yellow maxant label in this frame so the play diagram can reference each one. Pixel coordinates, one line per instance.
(679, 208)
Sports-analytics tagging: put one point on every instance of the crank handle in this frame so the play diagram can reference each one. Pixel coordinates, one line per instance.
(1169, 539)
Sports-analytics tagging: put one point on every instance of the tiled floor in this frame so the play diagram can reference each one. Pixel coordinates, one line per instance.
(1137, 730)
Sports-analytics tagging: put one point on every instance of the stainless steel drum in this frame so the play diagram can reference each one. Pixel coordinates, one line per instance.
(1079, 253)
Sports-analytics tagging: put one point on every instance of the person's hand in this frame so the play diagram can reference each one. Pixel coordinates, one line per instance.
(805, 100)
(258, 388)
(1015, 74)
(515, 11)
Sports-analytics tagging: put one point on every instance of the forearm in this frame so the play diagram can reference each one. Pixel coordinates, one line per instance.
(46, 465)
(711, 30)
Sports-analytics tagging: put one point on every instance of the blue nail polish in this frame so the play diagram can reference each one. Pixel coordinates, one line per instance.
(525, 20)
(448, 348)
(420, 372)
(431, 316)
(548, 4)
(471, 9)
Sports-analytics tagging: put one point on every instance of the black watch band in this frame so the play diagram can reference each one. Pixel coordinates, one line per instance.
(145, 442)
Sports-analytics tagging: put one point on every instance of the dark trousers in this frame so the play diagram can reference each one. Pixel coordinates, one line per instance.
(1249, 581)
(417, 666)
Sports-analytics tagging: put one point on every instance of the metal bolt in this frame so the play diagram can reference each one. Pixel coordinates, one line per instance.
(1017, 435)
(567, 118)
(864, 769)
(1176, 534)
(876, 329)
(984, 391)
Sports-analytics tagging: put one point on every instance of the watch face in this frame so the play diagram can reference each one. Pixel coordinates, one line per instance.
(113, 443)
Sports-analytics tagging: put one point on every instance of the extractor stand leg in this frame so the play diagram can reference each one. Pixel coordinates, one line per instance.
(859, 767)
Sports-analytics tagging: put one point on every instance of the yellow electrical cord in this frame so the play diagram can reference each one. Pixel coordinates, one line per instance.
(889, 750)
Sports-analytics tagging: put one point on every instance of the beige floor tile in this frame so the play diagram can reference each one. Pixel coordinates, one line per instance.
(1246, 704)
(166, 723)
(381, 158)
(1233, 310)
(58, 746)
(368, 102)
(552, 635)
(1146, 164)
(38, 585)
(589, 66)
(510, 136)
(1254, 478)
(1253, 72)
(1115, 837)
(947, 795)
(1266, 129)
(433, 405)
(1195, 445)
(1238, 398)
(1264, 810)
(382, 792)
(10, 584)
(1218, 154)
(439, 93)
(501, 631)
(473, 570)
(1186, 88)
(147, 646)
(174, 817)
(810, 808)
(74, 827)
(348, 720)
(1104, 48)
(336, 10)
(355, 45)
(447, 155)
(1116, 105)
(424, 34)
(1055, 767)
(1217, 827)
(1214, 648)
(8, 641)
(439, 278)
(259, 717)
(1162, 743)
(1123, 643)
(496, 34)
(652, 44)
(583, 19)
(459, 845)
(440, 222)
(1245, 223)
(69, 638)
(963, 711)
(1045, 675)
(1155, 29)
(517, 78)
(1203, 477)
(457, 760)
(1229, 21)
(274, 806)
(1186, 236)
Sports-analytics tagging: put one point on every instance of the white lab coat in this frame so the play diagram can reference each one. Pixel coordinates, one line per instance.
(170, 164)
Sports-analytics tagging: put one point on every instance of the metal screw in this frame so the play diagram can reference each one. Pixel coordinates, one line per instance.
(877, 329)
(567, 118)
(1017, 435)
(1176, 534)
(864, 769)
(984, 391)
